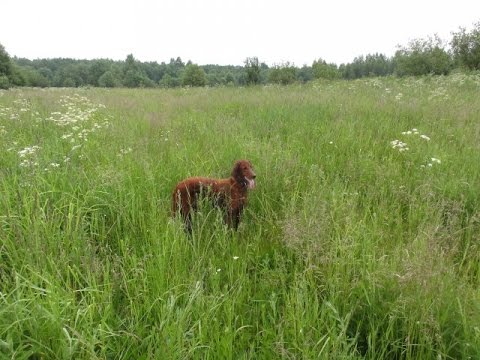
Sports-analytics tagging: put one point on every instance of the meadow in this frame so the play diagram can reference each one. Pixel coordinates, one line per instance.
(361, 240)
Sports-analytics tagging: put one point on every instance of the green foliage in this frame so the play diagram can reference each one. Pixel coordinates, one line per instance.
(108, 79)
(371, 65)
(283, 74)
(194, 75)
(466, 47)
(4, 82)
(252, 70)
(423, 57)
(229, 79)
(420, 57)
(322, 70)
(169, 81)
(305, 74)
(133, 74)
(6, 68)
(96, 69)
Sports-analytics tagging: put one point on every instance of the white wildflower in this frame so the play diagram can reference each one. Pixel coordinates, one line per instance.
(235, 258)
(28, 151)
(400, 145)
(28, 163)
(435, 160)
(425, 137)
(125, 151)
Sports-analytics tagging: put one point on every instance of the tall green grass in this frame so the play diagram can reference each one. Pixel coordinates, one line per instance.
(349, 248)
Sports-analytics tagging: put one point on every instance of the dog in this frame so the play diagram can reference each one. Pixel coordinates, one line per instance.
(228, 194)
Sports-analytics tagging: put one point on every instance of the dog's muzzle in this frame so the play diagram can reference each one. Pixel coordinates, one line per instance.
(250, 183)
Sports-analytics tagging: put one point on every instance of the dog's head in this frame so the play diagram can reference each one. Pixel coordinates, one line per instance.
(243, 173)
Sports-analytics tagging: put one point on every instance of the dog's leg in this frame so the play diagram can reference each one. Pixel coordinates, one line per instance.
(232, 218)
(236, 218)
(187, 219)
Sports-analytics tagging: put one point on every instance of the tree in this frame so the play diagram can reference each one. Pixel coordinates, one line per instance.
(108, 79)
(466, 47)
(169, 81)
(6, 69)
(32, 77)
(305, 73)
(229, 79)
(96, 69)
(133, 76)
(371, 65)
(423, 57)
(252, 70)
(283, 74)
(194, 75)
(322, 70)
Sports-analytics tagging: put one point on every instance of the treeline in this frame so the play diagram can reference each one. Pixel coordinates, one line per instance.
(419, 57)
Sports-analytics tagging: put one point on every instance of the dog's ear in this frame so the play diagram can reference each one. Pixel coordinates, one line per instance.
(237, 172)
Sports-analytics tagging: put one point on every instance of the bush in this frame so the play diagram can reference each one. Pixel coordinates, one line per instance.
(108, 79)
(283, 74)
(423, 57)
(4, 82)
(194, 75)
(466, 47)
(252, 69)
(322, 70)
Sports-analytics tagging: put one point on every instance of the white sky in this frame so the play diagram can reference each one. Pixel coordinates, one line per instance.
(225, 31)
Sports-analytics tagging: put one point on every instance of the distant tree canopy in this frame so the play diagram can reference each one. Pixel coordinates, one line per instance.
(194, 75)
(7, 76)
(418, 57)
(422, 57)
(370, 65)
(252, 69)
(322, 70)
(466, 47)
(283, 74)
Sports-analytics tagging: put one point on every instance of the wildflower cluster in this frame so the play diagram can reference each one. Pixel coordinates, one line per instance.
(402, 146)
(78, 109)
(28, 156)
(415, 131)
(431, 162)
(124, 152)
(439, 93)
(23, 105)
(78, 120)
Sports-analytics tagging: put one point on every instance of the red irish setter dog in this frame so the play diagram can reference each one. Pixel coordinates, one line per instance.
(228, 194)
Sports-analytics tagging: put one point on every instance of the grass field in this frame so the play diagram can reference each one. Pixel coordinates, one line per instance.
(361, 240)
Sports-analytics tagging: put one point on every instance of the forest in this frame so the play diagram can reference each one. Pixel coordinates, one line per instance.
(430, 56)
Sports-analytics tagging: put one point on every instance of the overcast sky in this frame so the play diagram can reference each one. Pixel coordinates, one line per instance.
(225, 31)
